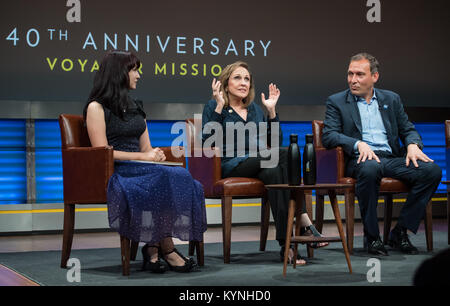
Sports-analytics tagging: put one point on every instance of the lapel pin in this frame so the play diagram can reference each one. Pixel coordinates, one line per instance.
(230, 111)
(385, 106)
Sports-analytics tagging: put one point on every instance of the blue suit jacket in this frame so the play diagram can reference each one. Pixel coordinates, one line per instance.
(342, 125)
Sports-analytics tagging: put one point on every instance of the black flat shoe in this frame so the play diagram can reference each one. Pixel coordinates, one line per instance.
(189, 263)
(400, 241)
(156, 267)
(375, 247)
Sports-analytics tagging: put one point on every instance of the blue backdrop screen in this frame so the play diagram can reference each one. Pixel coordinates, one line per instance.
(48, 161)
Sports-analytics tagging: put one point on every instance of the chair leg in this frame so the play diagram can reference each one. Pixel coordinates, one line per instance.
(125, 252)
(192, 245)
(227, 202)
(350, 218)
(69, 223)
(388, 206)
(134, 249)
(199, 246)
(429, 225)
(320, 200)
(265, 218)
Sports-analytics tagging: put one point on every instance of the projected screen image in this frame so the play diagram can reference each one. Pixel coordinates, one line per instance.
(50, 50)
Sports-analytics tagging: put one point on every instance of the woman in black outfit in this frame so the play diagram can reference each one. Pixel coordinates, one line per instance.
(232, 102)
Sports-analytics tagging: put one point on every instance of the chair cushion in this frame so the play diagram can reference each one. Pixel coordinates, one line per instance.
(387, 185)
(239, 186)
(392, 185)
(346, 180)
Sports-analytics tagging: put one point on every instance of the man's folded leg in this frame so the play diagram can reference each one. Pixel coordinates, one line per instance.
(423, 181)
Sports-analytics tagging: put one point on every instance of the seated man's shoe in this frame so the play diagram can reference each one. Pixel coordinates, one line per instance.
(375, 247)
(399, 240)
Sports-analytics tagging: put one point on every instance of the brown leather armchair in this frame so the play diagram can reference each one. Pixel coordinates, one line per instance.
(331, 169)
(86, 171)
(208, 172)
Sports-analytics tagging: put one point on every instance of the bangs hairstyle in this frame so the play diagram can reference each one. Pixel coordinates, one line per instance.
(112, 83)
(225, 76)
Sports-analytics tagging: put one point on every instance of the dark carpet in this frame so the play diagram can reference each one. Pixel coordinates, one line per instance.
(248, 267)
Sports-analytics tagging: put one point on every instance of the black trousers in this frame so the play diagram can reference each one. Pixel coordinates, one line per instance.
(279, 200)
(423, 182)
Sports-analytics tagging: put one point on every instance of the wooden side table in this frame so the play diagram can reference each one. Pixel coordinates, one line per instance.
(448, 209)
(295, 207)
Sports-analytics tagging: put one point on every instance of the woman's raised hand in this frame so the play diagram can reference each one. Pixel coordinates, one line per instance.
(218, 95)
(271, 102)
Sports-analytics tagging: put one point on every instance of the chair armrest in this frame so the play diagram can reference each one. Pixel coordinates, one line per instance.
(206, 170)
(330, 165)
(168, 152)
(86, 171)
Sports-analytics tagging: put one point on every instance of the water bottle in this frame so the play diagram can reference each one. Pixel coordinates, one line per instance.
(309, 162)
(294, 162)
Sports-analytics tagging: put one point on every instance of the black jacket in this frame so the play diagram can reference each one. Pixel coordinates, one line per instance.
(342, 125)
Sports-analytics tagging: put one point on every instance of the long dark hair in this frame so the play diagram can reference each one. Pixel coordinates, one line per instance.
(112, 83)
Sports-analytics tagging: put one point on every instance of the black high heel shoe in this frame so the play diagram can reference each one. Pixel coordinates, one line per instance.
(312, 231)
(155, 267)
(291, 259)
(189, 263)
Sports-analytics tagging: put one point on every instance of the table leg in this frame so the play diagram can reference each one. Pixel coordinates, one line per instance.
(337, 216)
(299, 200)
(290, 221)
(308, 205)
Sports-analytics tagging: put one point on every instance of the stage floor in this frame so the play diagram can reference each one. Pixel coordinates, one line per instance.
(30, 243)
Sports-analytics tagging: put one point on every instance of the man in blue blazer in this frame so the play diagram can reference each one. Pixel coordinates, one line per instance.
(368, 124)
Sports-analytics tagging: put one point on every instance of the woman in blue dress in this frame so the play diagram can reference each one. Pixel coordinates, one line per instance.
(147, 202)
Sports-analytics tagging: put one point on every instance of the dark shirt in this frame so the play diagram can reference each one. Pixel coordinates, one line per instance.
(228, 115)
(124, 134)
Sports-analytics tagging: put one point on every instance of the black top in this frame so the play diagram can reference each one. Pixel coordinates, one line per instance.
(255, 115)
(123, 135)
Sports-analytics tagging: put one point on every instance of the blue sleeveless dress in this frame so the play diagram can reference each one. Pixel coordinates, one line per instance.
(148, 202)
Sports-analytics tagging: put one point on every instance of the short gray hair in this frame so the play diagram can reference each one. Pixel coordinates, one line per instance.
(374, 64)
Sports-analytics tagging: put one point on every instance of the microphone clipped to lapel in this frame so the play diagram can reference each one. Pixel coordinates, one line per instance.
(383, 106)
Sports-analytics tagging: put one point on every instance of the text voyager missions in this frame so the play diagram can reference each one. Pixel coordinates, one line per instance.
(182, 69)
(182, 46)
